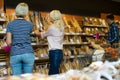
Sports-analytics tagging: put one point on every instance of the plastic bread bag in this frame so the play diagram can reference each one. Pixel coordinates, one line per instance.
(116, 64)
(96, 46)
(98, 65)
(72, 74)
(37, 76)
(98, 55)
(105, 75)
(94, 75)
(99, 75)
(76, 75)
(109, 68)
(95, 66)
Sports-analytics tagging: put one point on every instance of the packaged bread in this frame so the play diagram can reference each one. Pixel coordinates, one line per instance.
(96, 46)
(74, 49)
(13, 78)
(69, 53)
(66, 22)
(76, 25)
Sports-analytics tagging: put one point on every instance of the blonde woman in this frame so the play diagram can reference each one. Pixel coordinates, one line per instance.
(55, 35)
(18, 37)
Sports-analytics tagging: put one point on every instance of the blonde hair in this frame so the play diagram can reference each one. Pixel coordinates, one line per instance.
(21, 9)
(56, 16)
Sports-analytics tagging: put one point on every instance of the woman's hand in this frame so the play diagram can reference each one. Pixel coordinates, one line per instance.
(37, 32)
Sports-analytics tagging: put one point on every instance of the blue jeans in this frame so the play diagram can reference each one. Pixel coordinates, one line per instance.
(55, 57)
(22, 63)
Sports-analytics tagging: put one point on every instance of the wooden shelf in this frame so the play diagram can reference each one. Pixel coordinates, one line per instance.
(77, 56)
(65, 44)
(66, 34)
(73, 34)
(95, 26)
(1, 51)
(2, 22)
(3, 56)
(2, 35)
(46, 59)
(42, 61)
(73, 44)
(38, 45)
(34, 35)
(43, 58)
(81, 34)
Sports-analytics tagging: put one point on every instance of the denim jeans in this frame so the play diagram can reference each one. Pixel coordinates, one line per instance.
(55, 57)
(22, 63)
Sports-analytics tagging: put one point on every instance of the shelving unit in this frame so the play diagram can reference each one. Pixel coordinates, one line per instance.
(2, 22)
(3, 55)
(92, 26)
(4, 59)
(76, 46)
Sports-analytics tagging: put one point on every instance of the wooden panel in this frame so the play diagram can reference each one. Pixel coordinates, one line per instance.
(117, 17)
(79, 7)
(103, 16)
(1, 5)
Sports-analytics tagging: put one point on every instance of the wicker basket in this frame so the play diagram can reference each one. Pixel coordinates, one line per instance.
(111, 54)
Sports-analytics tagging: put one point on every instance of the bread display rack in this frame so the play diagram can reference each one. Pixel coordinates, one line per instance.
(79, 33)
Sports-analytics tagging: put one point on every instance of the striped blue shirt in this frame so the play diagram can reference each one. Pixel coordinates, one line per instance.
(21, 42)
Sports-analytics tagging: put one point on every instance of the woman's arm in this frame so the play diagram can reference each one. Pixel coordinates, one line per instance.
(37, 32)
(43, 34)
(9, 38)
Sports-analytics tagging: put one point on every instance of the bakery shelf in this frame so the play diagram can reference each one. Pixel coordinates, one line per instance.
(42, 60)
(66, 34)
(76, 56)
(81, 34)
(65, 44)
(94, 26)
(2, 35)
(38, 45)
(2, 63)
(46, 59)
(74, 34)
(1, 51)
(2, 22)
(71, 34)
(70, 44)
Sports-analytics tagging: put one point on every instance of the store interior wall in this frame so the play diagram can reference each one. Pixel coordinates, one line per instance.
(78, 7)
(1, 5)
(116, 0)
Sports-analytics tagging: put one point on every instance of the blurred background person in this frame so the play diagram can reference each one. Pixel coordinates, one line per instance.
(113, 33)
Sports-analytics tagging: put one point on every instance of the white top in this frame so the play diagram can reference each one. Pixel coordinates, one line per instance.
(54, 37)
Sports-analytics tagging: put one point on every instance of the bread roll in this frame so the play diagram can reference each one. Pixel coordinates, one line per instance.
(14, 78)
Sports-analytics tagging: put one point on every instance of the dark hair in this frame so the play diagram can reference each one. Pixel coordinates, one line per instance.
(110, 16)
